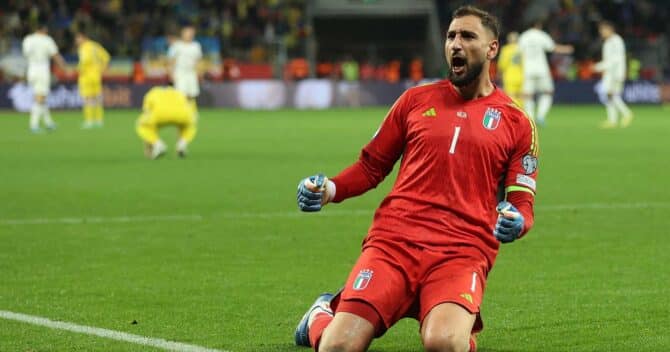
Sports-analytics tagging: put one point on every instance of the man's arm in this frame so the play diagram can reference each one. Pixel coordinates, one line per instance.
(557, 48)
(377, 158)
(171, 60)
(55, 55)
(374, 163)
(522, 203)
(516, 213)
(104, 57)
(606, 62)
(564, 49)
(58, 59)
(612, 57)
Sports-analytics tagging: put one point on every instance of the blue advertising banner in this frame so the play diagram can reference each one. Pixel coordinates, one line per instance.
(66, 96)
(305, 94)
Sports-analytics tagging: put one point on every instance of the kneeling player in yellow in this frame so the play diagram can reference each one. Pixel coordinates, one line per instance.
(165, 106)
(93, 60)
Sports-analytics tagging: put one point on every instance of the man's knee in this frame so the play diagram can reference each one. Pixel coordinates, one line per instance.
(447, 328)
(446, 341)
(347, 333)
(341, 343)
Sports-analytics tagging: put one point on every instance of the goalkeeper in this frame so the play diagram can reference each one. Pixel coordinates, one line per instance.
(464, 147)
(165, 106)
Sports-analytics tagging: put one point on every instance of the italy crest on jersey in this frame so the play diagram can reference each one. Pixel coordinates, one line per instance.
(362, 280)
(491, 118)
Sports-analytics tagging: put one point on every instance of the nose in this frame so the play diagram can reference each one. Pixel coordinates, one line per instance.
(456, 44)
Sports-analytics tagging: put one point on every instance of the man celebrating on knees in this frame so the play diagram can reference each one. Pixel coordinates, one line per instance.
(466, 184)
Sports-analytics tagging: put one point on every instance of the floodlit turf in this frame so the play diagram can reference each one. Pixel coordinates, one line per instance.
(234, 265)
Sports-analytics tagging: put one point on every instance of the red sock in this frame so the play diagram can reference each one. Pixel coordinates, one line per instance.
(321, 321)
(473, 343)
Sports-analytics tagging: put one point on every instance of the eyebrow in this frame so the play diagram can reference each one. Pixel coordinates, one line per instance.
(462, 31)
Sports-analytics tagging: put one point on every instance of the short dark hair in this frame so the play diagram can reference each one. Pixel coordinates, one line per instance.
(488, 20)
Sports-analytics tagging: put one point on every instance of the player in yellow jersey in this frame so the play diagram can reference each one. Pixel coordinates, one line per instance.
(93, 60)
(509, 64)
(165, 106)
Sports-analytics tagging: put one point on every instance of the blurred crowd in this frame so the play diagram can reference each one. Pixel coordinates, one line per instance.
(641, 23)
(243, 27)
(249, 35)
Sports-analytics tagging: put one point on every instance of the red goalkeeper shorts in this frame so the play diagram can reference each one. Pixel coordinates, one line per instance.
(400, 280)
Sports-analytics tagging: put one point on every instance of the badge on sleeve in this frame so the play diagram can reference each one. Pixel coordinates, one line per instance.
(529, 164)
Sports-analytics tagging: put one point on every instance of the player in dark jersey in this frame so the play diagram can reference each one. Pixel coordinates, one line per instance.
(466, 183)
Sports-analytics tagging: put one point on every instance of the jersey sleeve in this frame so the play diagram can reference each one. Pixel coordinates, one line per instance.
(549, 44)
(523, 165)
(377, 158)
(198, 51)
(172, 51)
(25, 46)
(52, 47)
(520, 182)
(610, 57)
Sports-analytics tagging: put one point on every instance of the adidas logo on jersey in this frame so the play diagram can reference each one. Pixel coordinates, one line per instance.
(429, 113)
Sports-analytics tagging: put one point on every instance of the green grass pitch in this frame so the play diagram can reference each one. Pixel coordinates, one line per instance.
(234, 265)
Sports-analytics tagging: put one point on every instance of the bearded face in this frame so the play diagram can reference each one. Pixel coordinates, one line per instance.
(468, 48)
(462, 73)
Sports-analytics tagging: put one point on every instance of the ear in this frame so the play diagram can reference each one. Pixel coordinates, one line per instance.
(492, 51)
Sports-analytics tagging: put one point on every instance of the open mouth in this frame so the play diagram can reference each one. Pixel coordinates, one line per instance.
(458, 64)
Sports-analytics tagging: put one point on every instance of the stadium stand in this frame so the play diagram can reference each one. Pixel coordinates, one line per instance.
(248, 39)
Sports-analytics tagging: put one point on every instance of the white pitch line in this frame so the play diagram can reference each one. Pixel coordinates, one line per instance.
(100, 219)
(363, 212)
(296, 214)
(605, 206)
(291, 214)
(105, 333)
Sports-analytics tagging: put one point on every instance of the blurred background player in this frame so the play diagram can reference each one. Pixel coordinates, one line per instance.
(184, 55)
(39, 48)
(509, 64)
(613, 68)
(534, 44)
(93, 60)
(165, 106)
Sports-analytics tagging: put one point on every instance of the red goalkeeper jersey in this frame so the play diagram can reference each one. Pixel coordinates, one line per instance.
(458, 159)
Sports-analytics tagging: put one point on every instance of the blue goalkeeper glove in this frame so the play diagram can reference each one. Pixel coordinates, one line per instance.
(510, 223)
(314, 192)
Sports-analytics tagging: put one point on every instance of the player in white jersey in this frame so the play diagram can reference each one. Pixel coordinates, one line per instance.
(534, 44)
(184, 55)
(39, 48)
(613, 68)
